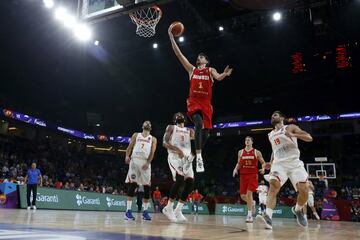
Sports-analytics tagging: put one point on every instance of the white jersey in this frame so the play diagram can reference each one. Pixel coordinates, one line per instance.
(142, 146)
(263, 190)
(283, 147)
(180, 138)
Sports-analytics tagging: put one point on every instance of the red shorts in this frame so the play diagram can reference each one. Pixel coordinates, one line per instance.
(248, 182)
(199, 105)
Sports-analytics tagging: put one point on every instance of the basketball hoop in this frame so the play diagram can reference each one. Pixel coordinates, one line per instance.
(146, 20)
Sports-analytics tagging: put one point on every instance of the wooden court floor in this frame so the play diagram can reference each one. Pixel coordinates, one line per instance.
(79, 225)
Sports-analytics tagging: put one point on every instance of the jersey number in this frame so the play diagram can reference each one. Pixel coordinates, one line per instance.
(200, 85)
(142, 146)
(277, 141)
(248, 162)
(182, 138)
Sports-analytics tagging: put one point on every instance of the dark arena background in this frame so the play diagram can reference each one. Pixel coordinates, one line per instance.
(78, 78)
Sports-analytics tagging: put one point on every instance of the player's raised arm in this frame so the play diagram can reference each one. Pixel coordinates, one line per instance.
(220, 76)
(295, 131)
(130, 148)
(186, 64)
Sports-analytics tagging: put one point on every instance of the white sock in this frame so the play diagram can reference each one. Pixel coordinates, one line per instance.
(128, 205)
(298, 207)
(250, 213)
(198, 155)
(269, 212)
(170, 204)
(146, 206)
(179, 207)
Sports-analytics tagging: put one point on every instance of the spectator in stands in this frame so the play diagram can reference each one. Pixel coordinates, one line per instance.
(156, 198)
(196, 197)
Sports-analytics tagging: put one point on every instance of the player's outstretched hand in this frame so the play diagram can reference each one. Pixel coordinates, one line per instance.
(262, 171)
(228, 70)
(235, 172)
(267, 166)
(289, 134)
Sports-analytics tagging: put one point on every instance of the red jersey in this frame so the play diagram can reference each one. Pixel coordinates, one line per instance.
(156, 195)
(201, 84)
(248, 162)
(196, 197)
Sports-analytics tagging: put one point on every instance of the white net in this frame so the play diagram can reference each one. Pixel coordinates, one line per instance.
(146, 20)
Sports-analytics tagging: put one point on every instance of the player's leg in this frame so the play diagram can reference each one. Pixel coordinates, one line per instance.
(145, 179)
(315, 213)
(298, 177)
(189, 185)
(262, 201)
(197, 119)
(250, 205)
(168, 210)
(277, 178)
(131, 181)
(130, 195)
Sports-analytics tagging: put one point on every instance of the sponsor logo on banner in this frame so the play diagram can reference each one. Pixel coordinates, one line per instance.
(39, 122)
(87, 136)
(228, 209)
(113, 202)
(80, 200)
(46, 198)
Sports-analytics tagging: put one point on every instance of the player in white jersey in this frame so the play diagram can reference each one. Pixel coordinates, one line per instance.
(286, 164)
(263, 192)
(139, 156)
(177, 140)
(311, 201)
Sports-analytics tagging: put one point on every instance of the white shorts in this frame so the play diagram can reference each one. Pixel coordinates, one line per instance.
(262, 199)
(292, 169)
(310, 201)
(180, 167)
(137, 174)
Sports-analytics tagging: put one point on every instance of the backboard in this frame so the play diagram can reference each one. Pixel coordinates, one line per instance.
(316, 170)
(98, 10)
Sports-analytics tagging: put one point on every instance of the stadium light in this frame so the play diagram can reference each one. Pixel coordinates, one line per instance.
(49, 3)
(155, 45)
(60, 13)
(181, 39)
(221, 28)
(69, 21)
(82, 32)
(96, 43)
(277, 16)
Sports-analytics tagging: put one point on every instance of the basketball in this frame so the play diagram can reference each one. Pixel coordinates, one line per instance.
(177, 28)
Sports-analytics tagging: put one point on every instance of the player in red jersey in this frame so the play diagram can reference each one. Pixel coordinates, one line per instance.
(199, 102)
(248, 165)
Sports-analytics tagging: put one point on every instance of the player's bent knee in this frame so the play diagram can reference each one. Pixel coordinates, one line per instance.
(302, 187)
(131, 189)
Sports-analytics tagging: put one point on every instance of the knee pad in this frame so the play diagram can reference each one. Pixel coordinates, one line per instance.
(176, 186)
(189, 185)
(146, 191)
(131, 189)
